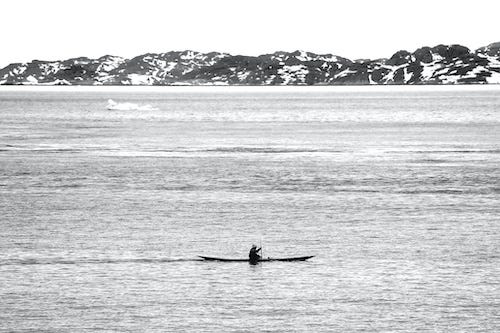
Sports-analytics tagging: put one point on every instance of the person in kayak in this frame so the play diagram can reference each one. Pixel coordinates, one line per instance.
(254, 256)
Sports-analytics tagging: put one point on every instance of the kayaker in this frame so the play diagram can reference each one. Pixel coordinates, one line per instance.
(254, 256)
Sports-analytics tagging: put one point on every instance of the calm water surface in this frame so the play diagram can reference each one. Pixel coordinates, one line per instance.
(396, 191)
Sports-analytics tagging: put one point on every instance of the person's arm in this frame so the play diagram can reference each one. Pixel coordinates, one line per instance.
(258, 250)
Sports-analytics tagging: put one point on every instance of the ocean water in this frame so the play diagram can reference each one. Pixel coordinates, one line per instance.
(395, 190)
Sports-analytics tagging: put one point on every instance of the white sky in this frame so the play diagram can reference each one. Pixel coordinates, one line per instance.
(61, 29)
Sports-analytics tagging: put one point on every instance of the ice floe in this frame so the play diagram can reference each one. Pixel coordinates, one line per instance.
(112, 105)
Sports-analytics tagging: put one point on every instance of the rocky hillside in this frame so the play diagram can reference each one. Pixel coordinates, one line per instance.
(442, 64)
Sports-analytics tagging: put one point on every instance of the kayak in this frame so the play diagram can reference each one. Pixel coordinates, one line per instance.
(262, 259)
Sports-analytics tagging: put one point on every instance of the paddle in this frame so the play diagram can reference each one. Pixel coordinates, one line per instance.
(261, 250)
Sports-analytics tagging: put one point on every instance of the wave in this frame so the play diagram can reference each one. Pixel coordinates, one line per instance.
(22, 262)
(125, 150)
(447, 151)
(112, 105)
(239, 149)
(447, 191)
(269, 150)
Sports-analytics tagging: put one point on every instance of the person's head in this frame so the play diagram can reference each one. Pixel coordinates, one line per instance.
(254, 246)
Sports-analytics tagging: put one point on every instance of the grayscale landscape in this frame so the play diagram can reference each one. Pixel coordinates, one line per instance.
(248, 186)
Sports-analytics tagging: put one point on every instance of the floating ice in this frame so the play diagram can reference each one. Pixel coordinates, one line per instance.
(112, 105)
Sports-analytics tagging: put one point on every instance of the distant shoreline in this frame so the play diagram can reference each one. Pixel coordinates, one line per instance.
(252, 85)
(248, 88)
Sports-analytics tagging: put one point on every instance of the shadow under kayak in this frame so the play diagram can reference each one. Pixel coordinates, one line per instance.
(260, 260)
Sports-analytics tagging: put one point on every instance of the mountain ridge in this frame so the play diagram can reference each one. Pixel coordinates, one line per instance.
(441, 64)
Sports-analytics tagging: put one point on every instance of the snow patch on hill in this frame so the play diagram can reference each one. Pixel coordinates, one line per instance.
(293, 74)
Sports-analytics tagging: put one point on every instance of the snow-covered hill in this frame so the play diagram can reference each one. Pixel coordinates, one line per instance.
(442, 64)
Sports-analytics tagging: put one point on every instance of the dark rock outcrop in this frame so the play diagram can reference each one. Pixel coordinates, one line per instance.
(441, 64)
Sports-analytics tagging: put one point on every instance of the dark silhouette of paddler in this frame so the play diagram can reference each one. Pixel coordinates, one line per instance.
(254, 256)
